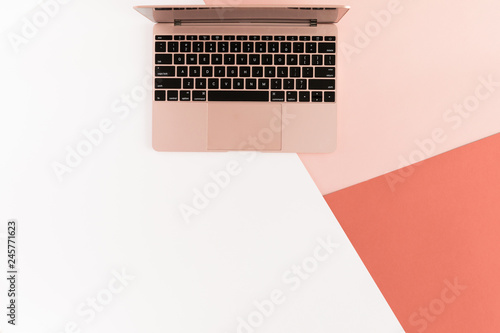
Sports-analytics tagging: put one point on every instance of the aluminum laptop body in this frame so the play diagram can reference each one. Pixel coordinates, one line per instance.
(244, 78)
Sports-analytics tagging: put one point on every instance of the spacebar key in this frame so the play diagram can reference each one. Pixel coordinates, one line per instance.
(240, 96)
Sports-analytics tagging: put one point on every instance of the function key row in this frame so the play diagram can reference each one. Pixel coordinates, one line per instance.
(252, 37)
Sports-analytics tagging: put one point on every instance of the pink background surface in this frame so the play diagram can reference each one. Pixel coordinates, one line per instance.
(396, 86)
(439, 228)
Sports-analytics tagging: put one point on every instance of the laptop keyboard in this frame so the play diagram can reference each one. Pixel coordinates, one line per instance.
(245, 68)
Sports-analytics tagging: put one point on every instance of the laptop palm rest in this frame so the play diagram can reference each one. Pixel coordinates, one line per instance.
(244, 126)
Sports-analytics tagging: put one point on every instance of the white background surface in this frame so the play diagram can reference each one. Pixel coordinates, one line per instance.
(119, 207)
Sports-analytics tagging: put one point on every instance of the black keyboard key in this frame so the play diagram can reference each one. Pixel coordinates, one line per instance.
(301, 84)
(225, 83)
(163, 37)
(277, 96)
(179, 59)
(304, 96)
(294, 71)
(292, 37)
(260, 47)
(317, 60)
(192, 37)
(216, 59)
(182, 71)
(305, 59)
(229, 37)
(254, 38)
(204, 37)
(235, 47)
(305, 38)
(317, 96)
(288, 84)
(159, 95)
(282, 71)
(330, 38)
(216, 37)
(210, 46)
(244, 71)
(254, 59)
(311, 47)
(223, 47)
(194, 71)
(267, 37)
(263, 83)
(321, 84)
(188, 83)
(317, 38)
(276, 84)
(329, 96)
(185, 95)
(326, 47)
(291, 96)
(219, 71)
(213, 83)
(241, 37)
(257, 71)
(238, 83)
(329, 59)
(173, 46)
(291, 59)
(204, 59)
(198, 46)
(165, 70)
(324, 72)
(298, 47)
(179, 37)
(160, 47)
(191, 59)
(165, 59)
(242, 59)
(307, 72)
(229, 59)
(286, 47)
(270, 71)
(199, 95)
(251, 84)
(267, 59)
(173, 95)
(238, 96)
(207, 71)
(201, 83)
(232, 71)
(273, 47)
(279, 37)
(186, 47)
(248, 47)
(279, 59)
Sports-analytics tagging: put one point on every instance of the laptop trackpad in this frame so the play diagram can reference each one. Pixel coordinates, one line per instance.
(244, 126)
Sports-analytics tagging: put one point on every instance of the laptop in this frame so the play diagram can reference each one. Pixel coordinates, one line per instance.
(244, 78)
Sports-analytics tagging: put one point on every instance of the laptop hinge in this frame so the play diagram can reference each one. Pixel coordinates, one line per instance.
(311, 22)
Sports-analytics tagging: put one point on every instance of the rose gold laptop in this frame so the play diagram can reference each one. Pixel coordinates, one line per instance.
(244, 78)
